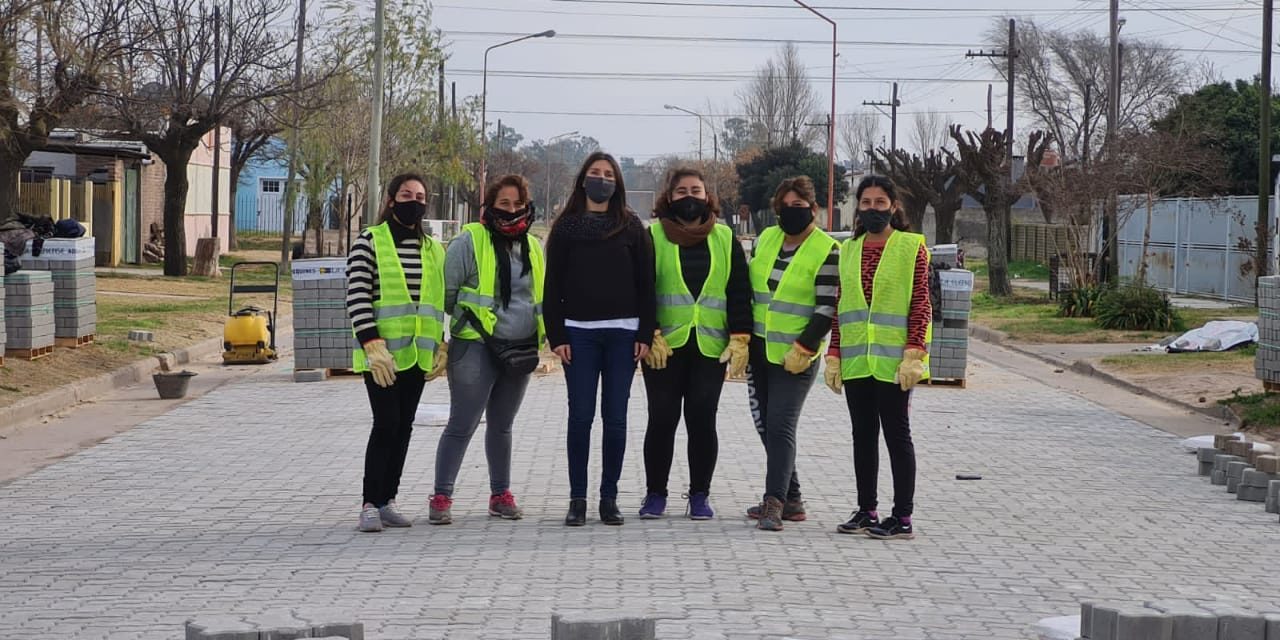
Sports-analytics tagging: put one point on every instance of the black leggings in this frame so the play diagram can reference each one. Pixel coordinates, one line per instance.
(872, 405)
(394, 409)
(696, 381)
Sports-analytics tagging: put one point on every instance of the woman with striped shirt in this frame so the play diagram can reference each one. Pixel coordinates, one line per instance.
(395, 299)
(880, 350)
(795, 278)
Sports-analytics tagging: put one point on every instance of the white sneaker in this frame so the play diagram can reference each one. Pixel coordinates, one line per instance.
(370, 520)
(391, 517)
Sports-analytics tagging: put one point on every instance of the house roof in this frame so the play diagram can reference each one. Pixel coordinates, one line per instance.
(80, 143)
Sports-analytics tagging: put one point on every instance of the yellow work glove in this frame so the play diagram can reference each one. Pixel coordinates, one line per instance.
(736, 354)
(911, 370)
(659, 351)
(797, 360)
(381, 365)
(441, 360)
(832, 374)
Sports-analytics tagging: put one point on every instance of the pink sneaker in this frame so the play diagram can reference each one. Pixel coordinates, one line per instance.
(503, 505)
(438, 511)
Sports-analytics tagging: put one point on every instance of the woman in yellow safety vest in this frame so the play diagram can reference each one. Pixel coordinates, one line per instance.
(795, 281)
(395, 298)
(493, 278)
(704, 321)
(880, 350)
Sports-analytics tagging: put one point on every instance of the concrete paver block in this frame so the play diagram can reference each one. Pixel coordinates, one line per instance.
(1241, 626)
(1267, 463)
(1103, 623)
(1195, 626)
(1144, 625)
(601, 626)
(221, 628)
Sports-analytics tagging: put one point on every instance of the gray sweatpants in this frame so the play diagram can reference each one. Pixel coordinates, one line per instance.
(476, 388)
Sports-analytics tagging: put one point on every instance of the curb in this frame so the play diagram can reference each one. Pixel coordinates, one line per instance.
(63, 398)
(1084, 367)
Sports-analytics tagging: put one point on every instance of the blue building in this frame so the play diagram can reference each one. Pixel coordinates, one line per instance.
(260, 195)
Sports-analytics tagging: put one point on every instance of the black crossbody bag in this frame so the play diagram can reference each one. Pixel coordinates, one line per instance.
(516, 357)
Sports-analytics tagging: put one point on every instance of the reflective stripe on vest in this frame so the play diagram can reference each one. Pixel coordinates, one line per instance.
(678, 311)
(413, 332)
(481, 300)
(781, 316)
(872, 338)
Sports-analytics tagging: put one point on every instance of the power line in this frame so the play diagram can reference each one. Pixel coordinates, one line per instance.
(947, 10)
(689, 77)
(641, 114)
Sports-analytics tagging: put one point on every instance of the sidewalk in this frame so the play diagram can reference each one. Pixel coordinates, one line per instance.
(1185, 302)
(244, 502)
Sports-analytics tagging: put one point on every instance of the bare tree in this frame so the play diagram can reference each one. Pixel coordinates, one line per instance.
(859, 133)
(1062, 79)
(779, 102)
(168, 97)
(53, 55)
(931, 132)
(932, 181)
(985, 167)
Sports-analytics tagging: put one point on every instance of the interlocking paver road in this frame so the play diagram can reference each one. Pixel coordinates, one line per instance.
(245, 500)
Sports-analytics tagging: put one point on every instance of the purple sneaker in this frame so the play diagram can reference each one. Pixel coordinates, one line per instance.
(700, 507)
(654, 507)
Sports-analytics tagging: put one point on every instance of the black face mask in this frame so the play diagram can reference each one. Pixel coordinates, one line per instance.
(794, 220)
(598, 189)
(689, 209)
(874, 220)
(409, 213)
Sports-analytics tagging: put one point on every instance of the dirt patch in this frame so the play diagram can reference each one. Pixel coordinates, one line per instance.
(1199, 379)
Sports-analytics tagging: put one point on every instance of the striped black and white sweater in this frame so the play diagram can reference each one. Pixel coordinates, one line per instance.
(362, 277)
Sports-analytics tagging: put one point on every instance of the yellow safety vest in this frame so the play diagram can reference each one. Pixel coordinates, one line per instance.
(678, 312)
(781, 316)
(873, 337)
(413, 332)
(481, 300)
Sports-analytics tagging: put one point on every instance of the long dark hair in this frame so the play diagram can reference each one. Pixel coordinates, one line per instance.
(674, 177)
(897, 221)
(393, 188)
(618, 209)
(501, 243)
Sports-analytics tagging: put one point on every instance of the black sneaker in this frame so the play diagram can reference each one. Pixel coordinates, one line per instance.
(859, 522)
(892, 528)
(609, 513)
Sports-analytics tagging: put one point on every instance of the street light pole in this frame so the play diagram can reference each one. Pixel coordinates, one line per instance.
(373, 200)
(484, 94)
(831, 130)
(672, 107)
(547, 151)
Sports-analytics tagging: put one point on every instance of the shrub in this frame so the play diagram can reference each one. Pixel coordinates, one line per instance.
(1136, 307)
(1080, 302)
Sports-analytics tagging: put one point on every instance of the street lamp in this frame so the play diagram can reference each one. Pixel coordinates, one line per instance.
(672, 107)
(547, 150)
(831, 125)
(484, 94)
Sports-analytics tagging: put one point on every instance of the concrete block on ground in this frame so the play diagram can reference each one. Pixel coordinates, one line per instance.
(1239, 448)
(221, 628)
(602, 626)
(1256, 478)
(1204, 468)
(1144, 625)
(1267, 463)
(1207, 454)
(310, 375)
(1217, 477)
(1221, 461)
(1251, 494)
(1220, 441)
(1102, 624)
(1195, 626)
(1241, 626)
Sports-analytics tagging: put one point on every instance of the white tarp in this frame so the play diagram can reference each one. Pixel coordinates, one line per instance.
(1219, 335)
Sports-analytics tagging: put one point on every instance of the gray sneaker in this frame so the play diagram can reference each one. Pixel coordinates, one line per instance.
(370, 521)
(391, 516)
(439, 510)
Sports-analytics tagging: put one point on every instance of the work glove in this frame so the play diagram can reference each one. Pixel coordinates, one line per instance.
(832, 374)
(381, 365)
(797, 360)
(736, 354)
(911, 370)
(659, 351)
(442, 359)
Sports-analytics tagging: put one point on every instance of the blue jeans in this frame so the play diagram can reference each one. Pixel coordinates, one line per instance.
(597, 354)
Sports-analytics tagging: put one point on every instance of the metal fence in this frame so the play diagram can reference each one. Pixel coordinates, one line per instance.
(1198, 246)
(263, 214)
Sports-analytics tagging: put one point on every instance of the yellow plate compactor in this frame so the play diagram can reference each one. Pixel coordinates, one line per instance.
(249, 336)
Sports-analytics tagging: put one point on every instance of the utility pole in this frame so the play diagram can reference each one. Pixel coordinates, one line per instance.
(1110, 222)
(1010, 54)
(290, 188)
(217, 128)
(440, 127)
(990, 90)
(1264, 138)
(893, 115)
(374, 190)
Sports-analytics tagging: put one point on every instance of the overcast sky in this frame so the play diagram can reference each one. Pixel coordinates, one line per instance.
(614, 88)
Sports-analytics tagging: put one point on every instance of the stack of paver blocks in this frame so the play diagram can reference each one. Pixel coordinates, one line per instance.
(75, 293)
(322, 336)
(1267, 362)
(2, 322)
(948, 352)
(1175, 620)
(28, 313)
(1252, 473)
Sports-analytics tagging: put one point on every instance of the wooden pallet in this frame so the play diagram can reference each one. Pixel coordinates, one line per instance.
(74, 343)
(946, 382)
(29, 354)
(343, 372)
(1270, 387)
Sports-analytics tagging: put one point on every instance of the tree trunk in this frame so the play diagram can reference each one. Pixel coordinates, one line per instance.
(9, 184)
(206, 262)
(998, 249)
(915, 213)
(231, 224)
(175, 205)
(1146, 243)
(944, 224)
